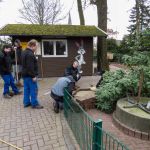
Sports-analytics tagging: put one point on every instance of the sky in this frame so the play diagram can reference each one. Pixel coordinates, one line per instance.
(118, 14)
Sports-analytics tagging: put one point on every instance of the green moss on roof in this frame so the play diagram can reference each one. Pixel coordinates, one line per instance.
(51, 30)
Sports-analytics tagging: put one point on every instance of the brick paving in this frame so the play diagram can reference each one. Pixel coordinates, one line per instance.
(109, 126)
(32, 129)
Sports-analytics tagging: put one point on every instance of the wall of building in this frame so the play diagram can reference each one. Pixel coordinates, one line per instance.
(55, 66)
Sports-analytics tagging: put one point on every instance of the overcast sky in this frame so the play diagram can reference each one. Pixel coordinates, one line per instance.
(118, 13)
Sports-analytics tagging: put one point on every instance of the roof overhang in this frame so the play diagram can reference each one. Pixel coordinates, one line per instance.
(51, 30)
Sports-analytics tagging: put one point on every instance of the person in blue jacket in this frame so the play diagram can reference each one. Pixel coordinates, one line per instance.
(57, 91)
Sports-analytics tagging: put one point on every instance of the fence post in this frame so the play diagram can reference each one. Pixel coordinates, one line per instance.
(97, 135)
(65, 103)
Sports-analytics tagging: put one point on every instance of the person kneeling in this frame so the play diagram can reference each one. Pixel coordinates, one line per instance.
(57, 91)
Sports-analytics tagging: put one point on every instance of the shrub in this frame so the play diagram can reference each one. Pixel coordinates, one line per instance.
(115, 85)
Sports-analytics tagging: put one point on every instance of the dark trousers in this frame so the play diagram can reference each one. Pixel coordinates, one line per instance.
(57, 98)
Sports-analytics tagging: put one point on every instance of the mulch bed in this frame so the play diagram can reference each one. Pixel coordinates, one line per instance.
(119, 65)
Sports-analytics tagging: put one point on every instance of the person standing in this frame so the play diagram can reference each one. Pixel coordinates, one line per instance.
(5, 71)
(29, 74)
(17, 67)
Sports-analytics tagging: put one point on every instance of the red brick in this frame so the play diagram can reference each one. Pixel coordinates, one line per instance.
(131, 133)
(144, 136)
(138, 134)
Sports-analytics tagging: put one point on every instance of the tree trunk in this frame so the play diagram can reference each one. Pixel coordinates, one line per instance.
(102, 63)
(140, 85)
(137, 19)
(80, 10)
(137, 30)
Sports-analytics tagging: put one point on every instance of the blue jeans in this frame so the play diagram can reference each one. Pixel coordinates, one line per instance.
(9, 81)
(30, 92)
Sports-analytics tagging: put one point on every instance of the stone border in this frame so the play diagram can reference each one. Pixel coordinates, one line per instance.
(129, 131)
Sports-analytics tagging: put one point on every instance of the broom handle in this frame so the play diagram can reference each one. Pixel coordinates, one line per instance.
(16, 63)
(11, 145)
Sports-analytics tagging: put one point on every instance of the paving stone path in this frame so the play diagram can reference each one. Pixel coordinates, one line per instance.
(32, 129)
(108, 125)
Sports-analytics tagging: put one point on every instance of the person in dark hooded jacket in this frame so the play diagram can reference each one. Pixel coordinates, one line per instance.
(29, 74)
(73, 71)
(5, 71)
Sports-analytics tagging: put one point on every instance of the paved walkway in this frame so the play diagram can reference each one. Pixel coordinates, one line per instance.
(32, 129)
(108, 125)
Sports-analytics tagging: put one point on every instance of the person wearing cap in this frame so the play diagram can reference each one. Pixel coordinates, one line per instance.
(17, 66)
(73, 70)
(57, 91)
(5, 72)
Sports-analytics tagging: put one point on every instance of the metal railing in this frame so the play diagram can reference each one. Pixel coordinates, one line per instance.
(108, 141)
(88, 133)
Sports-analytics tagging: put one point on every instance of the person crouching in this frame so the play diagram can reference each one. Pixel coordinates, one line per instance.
(57, 91)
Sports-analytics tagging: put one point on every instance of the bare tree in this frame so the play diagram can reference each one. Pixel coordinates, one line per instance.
(41, 11)
(102, 63)
(80, 10)
(101, 5)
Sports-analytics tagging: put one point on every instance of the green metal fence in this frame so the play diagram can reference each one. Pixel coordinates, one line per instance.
(88, 133)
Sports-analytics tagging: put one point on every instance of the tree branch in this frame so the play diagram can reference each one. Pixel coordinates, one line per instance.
(41, 11)
(93, 2)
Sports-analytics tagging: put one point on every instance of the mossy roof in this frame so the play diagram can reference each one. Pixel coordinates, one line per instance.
(50, 30)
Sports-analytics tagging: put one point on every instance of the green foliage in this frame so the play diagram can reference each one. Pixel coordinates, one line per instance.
(139, 37)
(145, 40)
(112, 45)
(139, 63)
(137, 59)
(129, 45)
(139, 16)
(110, 90)
(135, 49)
(63, 30)
(126, 45)
(115, 85)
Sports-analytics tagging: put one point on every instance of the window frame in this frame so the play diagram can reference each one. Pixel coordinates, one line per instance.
(54, 45)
